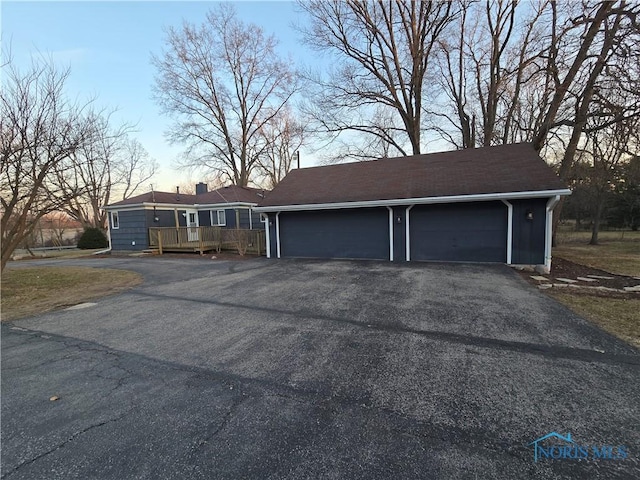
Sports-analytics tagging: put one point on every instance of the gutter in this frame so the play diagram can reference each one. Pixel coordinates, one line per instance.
(483, 197)
(181, 206)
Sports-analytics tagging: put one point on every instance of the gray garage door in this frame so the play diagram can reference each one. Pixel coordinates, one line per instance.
(348, 233)
(462, 232)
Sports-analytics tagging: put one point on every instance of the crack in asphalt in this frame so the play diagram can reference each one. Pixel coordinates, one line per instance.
(225, 420)
(329, 405)
(65, 442)
(552, 351)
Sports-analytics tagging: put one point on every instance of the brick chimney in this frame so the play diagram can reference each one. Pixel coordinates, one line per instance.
(201, 188)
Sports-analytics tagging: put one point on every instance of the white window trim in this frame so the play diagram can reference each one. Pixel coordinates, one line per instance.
(215, 220)
(115, 225)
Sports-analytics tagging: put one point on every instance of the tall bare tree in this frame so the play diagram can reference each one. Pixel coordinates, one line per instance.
(222, 81)
(284, 135)
(382, 52)
(40, 132)
(110, 164)
(484, 62)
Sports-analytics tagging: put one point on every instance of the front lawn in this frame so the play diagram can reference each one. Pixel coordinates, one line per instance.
(615, 256)
(618, 316)
(33, 290)
(618, 254)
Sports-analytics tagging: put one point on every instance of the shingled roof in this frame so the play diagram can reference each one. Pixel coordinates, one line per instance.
(231, 194)
(228, 194)
(487, 170)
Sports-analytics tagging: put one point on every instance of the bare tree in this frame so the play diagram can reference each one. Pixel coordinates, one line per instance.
(134, 168)
(283, 136)
(485, 61)
(58, 224)
(607, 144)
(40, 131)
(109, 164)
(222, 82)
(383, 52)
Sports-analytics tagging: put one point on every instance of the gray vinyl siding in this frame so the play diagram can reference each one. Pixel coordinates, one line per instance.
(204, 218)
(255, 221)
(350, 233)
(399, 234)
(243, 214)
(182, 218)
(133, 228)
(230, 216)
(459, 232)
(166, 218)
(528, 235)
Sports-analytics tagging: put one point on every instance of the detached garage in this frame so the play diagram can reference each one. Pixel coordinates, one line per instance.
(492, 204)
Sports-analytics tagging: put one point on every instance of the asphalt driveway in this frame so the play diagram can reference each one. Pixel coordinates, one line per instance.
(309, 369)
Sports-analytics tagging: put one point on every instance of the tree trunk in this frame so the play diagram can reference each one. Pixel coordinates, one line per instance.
(557, 213)
(596, 223)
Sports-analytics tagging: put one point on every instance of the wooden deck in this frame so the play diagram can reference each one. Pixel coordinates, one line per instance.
(206, 239)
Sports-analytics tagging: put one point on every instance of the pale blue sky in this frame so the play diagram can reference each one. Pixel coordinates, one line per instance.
(108, 47)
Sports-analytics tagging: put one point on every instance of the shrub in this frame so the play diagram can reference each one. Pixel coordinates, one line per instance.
(93, 238)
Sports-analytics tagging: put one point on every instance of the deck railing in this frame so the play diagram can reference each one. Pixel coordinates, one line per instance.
(203, 239)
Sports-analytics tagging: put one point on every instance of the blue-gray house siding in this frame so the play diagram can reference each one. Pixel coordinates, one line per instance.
(528, 235)
(133, 233)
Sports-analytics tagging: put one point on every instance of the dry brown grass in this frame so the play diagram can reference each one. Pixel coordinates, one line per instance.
(618, 316)
(615, 254)
(33, 290)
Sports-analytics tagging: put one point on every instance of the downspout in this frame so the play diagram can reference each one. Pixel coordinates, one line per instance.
(390, 234)
(100, 252)
(268, 236)
(509, 230)
(406, 234)
(548, 239)
(278, 234)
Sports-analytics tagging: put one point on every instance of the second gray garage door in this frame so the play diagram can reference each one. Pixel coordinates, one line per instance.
(347, 233)
(459, 232)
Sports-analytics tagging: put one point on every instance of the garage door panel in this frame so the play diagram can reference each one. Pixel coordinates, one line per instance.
(459, 232)
(349, 233)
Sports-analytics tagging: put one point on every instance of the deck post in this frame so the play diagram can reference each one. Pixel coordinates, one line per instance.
(160, 241)
(200, 239)
(175, 214)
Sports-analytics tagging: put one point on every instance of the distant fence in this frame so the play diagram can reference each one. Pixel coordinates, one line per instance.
(203, 239)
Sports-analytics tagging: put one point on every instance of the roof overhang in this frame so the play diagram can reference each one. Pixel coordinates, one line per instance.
(181, 206)
(482, 197)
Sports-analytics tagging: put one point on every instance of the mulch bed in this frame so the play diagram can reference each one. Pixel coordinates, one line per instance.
(561, 268)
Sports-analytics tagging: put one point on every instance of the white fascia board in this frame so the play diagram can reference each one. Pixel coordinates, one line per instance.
(161, 206)
(148, 206)
(483, 197)
(225, 205)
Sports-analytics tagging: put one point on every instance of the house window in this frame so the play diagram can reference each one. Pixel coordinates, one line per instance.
(115, 221)
(218, 218)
